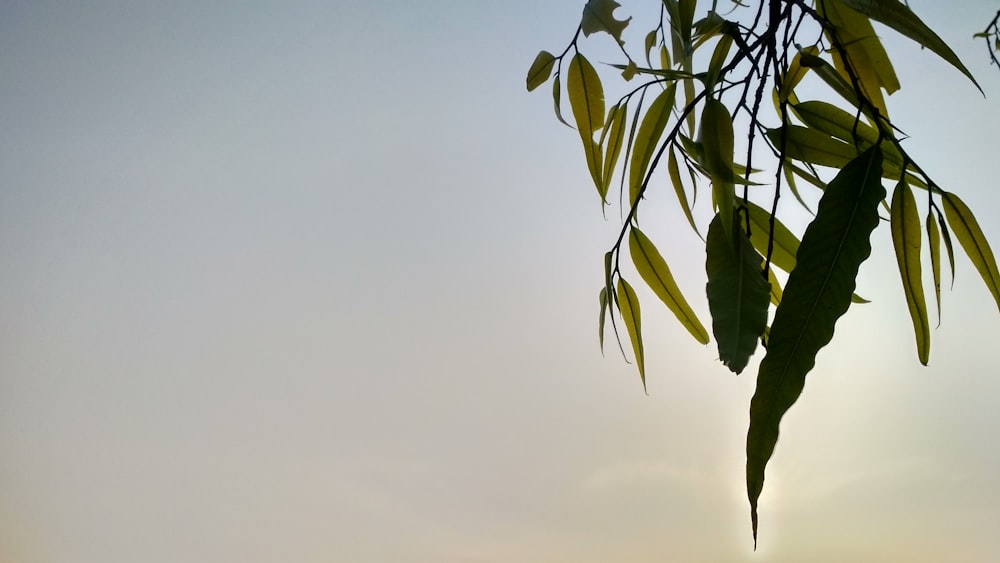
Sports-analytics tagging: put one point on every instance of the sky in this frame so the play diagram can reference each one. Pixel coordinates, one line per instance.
(317, 281)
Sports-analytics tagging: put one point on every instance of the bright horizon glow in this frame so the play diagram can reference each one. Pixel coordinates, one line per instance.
(306, 282)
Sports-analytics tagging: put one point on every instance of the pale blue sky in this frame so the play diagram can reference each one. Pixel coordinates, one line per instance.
(317, 281)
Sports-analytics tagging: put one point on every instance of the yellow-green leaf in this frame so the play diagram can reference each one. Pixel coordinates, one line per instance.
(786, 244)
(613, 147)
(809, 145)
(717, 143)
(557, 101)
(898, 16)
(598, 15)
(934, 242)
(675, 179)
(540, 70)
(654, 271)
(905, 226)
(973, 241)
(796, 71)
(603, 298)
(648, 138)
(628, 305)
(586, 97)
(868, 58)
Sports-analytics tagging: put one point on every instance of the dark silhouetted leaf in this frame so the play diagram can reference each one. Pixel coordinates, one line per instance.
(738, 294)
(654, 271)
(905, 227)
(818, 292)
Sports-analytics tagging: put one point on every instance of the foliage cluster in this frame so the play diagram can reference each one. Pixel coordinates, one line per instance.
(695, 80)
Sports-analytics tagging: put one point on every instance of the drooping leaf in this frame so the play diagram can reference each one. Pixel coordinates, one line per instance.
(948, 248)
(717, 61)
(905, 227)
(615, 139)
(557, 101)
(675, 179)
(809, 145)
(540, 70)
(628, 305)
(648, 45)
(817, 293)
(738, 294)
(586, 97)
(934, 242)
(853, 32)
(973, 241)
(648, 139)
(603, 298)
(654, 271)
(776, 291)
(717, 141)
(598, 15)
(796, 71)
(786, 244)
(898, 16)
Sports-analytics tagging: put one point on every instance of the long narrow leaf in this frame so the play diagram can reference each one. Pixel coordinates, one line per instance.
(717, 142)
(905, 227)
(586, 97)
(738, 295)
(973, 241)
(654, 271)
(818, 292)
(898, 16)
(648, 138)
(675, 179)
(934, 242)
(628, 305)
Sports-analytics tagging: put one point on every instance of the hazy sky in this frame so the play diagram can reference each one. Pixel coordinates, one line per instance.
(317, 281)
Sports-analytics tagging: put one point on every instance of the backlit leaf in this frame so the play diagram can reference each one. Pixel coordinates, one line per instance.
(963, 223)
(654, 271)
(717, 142)
(934, 242)
(598, 15)
(648, 139)
(603, 298)
(817, 293)
(675, 179)
(628, 305)
(809, 145)
(557, 101)
(738, 294)
(905, 227)
(947, 247)
(613, 148)
(898, 16)
(786, 244)
(586, 97)
(540, 70)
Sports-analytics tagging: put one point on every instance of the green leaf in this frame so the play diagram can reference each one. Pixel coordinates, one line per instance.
(898, 16)
(786, 244)
(598, 15)
(661, 72)
(717, 142)
(836, 122)
(718, 60)
(615, 139)
(905, 227)
(675, 179)
(856, 36)
(557, 101)
(540, 70)
(818, 292)
(654, 271)
(796, 71)
(628, 305)
(934, 242)
(603, 298)
(809, 145)
(971, 237)
(947, 247)
(648, 138)
(738, 294)
(776, 292)
(586, 97)
(649, 43)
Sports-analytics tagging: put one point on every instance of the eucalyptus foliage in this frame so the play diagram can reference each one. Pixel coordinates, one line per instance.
(703, 81)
